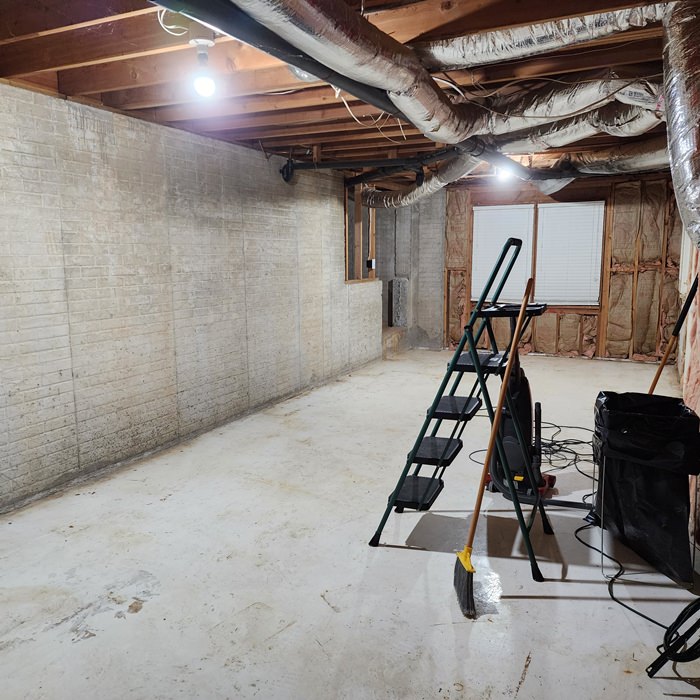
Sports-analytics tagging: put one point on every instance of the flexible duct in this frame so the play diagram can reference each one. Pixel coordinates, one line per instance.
(682, 87)
(627, 158)
(651, 154)
(335, 35)
(508, 44)
(549, 104)
(448, 172)
(613, 119)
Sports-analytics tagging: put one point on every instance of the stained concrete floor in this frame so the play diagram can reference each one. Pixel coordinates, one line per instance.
(236, 566)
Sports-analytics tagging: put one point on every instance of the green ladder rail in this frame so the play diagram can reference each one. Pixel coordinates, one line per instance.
(419, 492)
(439, 452)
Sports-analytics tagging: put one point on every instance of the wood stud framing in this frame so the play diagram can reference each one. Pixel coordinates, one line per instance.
(585, 330)
(116, 54)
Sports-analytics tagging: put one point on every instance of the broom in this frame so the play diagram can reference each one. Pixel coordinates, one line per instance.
(674, 334)
(464, 570)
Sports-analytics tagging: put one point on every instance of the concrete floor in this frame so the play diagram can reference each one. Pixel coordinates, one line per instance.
(236, 566)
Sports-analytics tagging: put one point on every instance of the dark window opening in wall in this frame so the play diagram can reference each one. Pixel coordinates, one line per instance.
(360, 225)
(562, 250)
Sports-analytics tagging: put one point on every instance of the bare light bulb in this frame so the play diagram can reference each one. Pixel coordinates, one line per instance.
(204, 84)
(504, 174)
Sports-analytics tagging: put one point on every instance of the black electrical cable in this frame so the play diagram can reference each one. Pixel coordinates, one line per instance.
(674, 641)
(615, 577)
(562, 454)
(672, 647)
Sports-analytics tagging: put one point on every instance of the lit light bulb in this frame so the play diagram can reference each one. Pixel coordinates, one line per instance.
(504, 174)
(204, 84)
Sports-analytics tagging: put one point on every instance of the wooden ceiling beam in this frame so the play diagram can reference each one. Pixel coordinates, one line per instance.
(313, 97)
(279, 79)
(561, 63)
(226, 57)
(437, 19)
(344, 137)
(328, 128)
(346, 126)
(371, 153)
(231, 123)
(410, 144)
(37, 18)
(111, 41)
(239, 84)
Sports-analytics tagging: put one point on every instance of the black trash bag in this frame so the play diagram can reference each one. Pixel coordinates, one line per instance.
(650, 445)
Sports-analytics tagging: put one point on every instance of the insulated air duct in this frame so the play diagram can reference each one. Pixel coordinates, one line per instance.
(508, 44)
(613, 119)
(548, 104)
(682, 86)
(335, 35)
(448, 172)
(625, 158)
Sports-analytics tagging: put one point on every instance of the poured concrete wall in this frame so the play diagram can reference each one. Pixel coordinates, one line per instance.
(154, 284)
(410, 244)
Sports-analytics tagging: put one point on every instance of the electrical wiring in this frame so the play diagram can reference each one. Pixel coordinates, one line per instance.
(484, 93)
(564, 452)
(559, 454)
(339, 96)
(567, 452)
(675, 643)
(587, 108)
(451, 84)
(374, 122)
(613, 579)
(170, 27)
(583, 110)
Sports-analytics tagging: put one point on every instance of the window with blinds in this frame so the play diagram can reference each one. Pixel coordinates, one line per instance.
(567, 244)
(493, 226)
(569, 249)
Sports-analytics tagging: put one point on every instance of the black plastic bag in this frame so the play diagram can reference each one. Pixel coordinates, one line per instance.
(645, 447)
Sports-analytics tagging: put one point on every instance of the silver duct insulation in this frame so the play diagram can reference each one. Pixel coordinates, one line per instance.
(626, 158)
(548, 104)
(447, 173)
(613, 119)
(505, 45)
(682, 87)
(333, 34)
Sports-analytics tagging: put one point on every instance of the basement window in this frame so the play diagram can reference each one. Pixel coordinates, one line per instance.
(562, 250)
(360, 225)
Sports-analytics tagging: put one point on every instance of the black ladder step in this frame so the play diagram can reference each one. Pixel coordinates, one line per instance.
(511, 310)
(418, 492)
(438, 451)
(490, 362)
(457, 408)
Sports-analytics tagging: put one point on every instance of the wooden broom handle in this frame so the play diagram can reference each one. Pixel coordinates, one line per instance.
(499, 410)
(674, 334)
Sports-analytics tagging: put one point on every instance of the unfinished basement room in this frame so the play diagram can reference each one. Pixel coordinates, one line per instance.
(349, 349)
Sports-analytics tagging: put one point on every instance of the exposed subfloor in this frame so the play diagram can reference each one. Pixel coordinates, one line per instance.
(236, 565)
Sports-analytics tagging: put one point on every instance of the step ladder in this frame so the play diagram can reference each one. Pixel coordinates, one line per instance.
(417, 487)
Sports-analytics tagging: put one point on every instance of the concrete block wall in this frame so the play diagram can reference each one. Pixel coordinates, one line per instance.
(154, 284)
(410, 243)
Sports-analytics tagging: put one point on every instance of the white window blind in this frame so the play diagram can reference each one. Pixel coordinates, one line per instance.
(569, 249)
(493, 226)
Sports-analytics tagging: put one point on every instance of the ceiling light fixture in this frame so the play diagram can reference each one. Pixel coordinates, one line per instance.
(504, 174)
(204, 84)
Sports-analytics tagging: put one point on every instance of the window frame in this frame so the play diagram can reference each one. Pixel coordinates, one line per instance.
(582, 308)
(358, 267)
